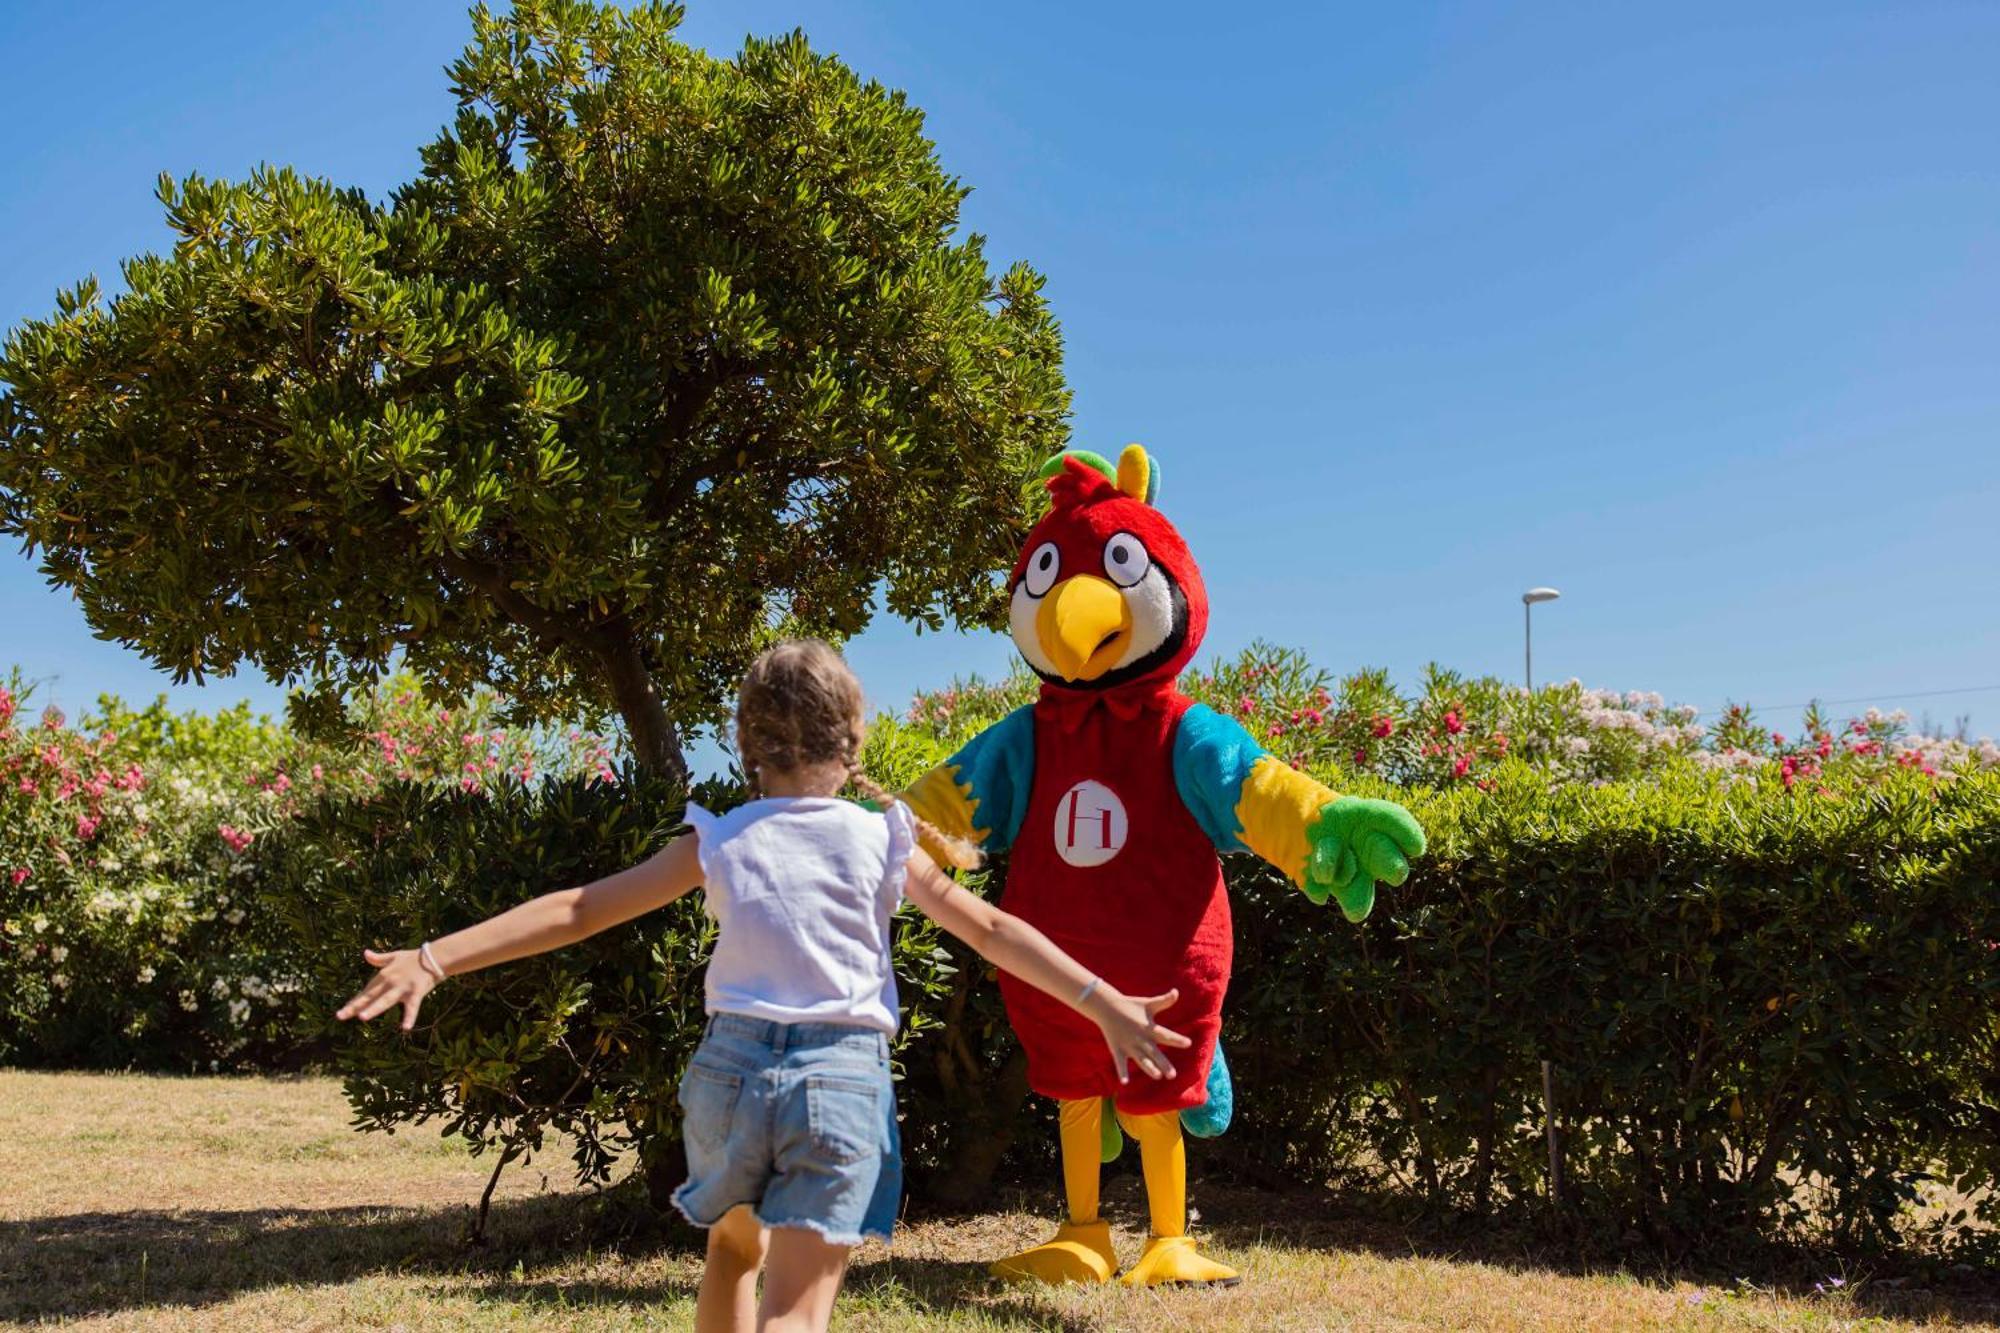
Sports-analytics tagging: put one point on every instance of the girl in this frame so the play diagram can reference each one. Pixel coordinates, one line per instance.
(790, 1120)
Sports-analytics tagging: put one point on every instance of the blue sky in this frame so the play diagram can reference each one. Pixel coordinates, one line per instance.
(1691, 311)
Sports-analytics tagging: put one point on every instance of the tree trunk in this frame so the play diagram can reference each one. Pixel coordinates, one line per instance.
(656, 741)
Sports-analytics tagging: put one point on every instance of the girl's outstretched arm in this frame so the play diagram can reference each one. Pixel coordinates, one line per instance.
(1013, 945)
(536, 926)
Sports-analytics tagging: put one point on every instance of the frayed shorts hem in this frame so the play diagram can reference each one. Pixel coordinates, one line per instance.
(821, 1229)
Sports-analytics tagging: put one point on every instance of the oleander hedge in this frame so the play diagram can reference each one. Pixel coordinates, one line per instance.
(1767, 1007)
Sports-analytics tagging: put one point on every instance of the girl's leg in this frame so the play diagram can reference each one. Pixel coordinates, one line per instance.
(801, 1282)
(728, 1301)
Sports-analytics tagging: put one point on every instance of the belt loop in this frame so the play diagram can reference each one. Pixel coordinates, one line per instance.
(778, 1034)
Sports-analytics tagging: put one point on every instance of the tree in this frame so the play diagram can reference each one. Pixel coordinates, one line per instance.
(659, 355)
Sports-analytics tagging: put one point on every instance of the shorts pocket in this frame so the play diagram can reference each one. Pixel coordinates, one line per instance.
(844, 1113)
(708, 1102)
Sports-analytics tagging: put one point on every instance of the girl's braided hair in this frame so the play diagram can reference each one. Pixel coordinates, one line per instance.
(801, 707)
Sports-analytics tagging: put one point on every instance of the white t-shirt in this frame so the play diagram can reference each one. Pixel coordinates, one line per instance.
(802, 888)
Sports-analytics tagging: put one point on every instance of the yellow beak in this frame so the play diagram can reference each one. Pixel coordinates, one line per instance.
(1084, 625)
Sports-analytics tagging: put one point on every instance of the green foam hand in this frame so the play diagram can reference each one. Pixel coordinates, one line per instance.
(1354, 843)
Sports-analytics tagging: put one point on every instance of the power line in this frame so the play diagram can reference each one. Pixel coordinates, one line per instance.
(1863, 699)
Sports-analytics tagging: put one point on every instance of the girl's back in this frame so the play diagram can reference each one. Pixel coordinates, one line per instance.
(803, 889)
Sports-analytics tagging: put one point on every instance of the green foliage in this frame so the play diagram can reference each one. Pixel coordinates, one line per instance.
(1764, 1006)
(658, 351)
(587, 1041)
(127, 936)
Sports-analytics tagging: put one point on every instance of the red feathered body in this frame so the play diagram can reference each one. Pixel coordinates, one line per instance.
(1108, 861)
(1152, 917)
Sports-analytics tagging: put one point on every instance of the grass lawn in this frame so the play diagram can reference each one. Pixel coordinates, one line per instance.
(191, 1203)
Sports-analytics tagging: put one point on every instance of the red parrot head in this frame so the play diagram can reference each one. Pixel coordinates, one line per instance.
(1105, 593)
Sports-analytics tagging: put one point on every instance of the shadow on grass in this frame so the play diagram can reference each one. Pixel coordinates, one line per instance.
(99, 1263)
(1310, 1219)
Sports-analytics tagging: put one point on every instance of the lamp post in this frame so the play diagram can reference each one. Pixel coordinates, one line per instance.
(1528, 600)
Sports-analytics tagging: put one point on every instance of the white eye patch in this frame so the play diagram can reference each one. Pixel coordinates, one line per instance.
(1125, 559)
(1043, 566)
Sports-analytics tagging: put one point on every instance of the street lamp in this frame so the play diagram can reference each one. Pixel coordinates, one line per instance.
(1528, 600)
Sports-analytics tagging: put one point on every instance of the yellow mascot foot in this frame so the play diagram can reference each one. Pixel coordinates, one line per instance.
(1173, 1261)
(1080, 1252)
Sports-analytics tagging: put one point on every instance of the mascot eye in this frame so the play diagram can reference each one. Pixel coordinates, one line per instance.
(1125, 560)
(1043, 566)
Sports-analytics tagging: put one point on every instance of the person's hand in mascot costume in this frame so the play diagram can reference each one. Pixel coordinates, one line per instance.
(1114, 792)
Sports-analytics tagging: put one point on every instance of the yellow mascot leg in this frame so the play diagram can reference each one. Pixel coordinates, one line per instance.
(1171, 1258)
(1081, 1250)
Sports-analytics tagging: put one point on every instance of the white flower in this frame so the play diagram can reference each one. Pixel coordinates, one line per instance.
(58, 980)
(109, 864)
(234, 916)
(146, 974)
(58, 953)
(38, 923)
(219, 989)
(239, 1011)
(188, 1001)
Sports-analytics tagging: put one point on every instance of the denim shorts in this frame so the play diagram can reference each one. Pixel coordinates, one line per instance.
(798, 1120)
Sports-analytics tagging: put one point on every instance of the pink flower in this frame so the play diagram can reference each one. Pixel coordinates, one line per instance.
(86, 827)
(319, 774)
(20, 873)
(237, 838)
(1452, 723)
(1777, 738)
(282, 783)
(1384, 728)
(1461, 766)
(1246, 705)
(53, 719)
(1361, 756)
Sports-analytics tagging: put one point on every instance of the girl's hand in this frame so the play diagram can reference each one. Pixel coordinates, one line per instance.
(400, 978)
(1131, 1033)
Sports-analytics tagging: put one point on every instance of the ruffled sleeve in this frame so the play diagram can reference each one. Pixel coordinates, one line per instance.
(902, 845)
(703, 821)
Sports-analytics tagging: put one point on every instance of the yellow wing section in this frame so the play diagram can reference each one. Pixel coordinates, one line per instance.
(1277, 805)
(947, 804)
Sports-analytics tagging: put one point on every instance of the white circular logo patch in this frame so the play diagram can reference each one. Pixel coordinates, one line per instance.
(1090, 824)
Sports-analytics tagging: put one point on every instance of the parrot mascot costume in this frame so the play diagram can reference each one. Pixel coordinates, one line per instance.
(1114, 792)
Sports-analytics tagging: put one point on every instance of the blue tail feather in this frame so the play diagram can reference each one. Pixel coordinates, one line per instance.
(1212, 1116)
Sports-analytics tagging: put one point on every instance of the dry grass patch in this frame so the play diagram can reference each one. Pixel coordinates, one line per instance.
(165, 1203)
